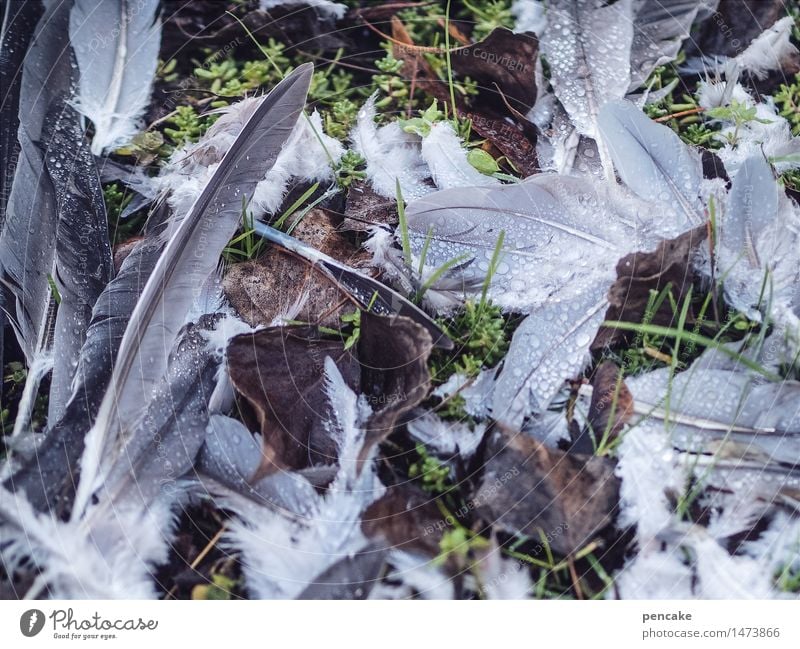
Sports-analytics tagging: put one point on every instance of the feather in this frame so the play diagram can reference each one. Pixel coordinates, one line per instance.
(447, 438)
(549, 222)
(116, 44)
(83, 262)
(43, 476)
(16, 31)
(529, 16)
(588, 47)
(326, 8)
(729, 412)
(503, 578)
(752, 207)
(659, 30)
(111, 560)
(57, 230)
(758, 242)
(651, 159)
(549, 347)
(308, 154)
(446, 158)
(769, 50)
(189, 258)
(391, 155)
(369, 293)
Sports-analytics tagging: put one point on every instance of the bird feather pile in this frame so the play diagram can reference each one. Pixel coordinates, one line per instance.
(133, 347)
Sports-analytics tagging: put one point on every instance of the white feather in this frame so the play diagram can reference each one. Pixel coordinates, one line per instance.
(446, 158)
(391, 155)
(529, 16)
(418, 576)
(325, 7)
(769, 50)
(504, 578)
(116, 44)
(447, 437)
(110, 559)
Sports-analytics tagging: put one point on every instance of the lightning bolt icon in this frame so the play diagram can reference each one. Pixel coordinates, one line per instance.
(32, 620)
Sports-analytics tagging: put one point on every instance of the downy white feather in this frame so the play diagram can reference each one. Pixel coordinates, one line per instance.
(116, 44)
(112, 558)
(326, 8)
(308, 155)
(391, 156)
(447, 437)
(770, 50)
(447, 159)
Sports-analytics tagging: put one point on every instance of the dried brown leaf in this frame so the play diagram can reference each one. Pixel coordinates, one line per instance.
(533, 490)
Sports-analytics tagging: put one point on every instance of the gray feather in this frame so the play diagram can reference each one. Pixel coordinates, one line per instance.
(659, 29)
(752, 206)
(727, 412)
(190, 257)
(651, 159)
(56, 228)
(16, 30)
(51, 471)
(83, 264)
(588, 45)
(116, 44)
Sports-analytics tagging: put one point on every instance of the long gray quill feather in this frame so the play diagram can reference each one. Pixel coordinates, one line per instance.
(189, 258)
(56, 229)
(16, 30)
(53, 467)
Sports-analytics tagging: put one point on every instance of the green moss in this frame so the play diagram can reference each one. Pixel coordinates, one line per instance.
(787, 99)
(481, 335)
(433, 475)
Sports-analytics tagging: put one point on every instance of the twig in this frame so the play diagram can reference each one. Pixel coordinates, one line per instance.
(202, 555)
(682, 113)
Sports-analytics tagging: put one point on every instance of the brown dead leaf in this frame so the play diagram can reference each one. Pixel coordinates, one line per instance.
(610, 409)
(272, 285)
(530, 489)
(405, 518)
(365, 208)
(640, 272)
(393, 352)
(503, 62)
(502, 65)
(280, 372)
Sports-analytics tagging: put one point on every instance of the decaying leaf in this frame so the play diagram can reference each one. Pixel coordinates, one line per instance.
(610, 409)
(393, 353)
(503, 66)
(280, 285)
(280, 371)
(639, 273)
(407, 519)
(365, 208)
(529, 489)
